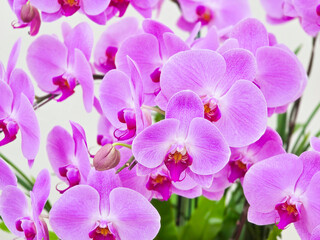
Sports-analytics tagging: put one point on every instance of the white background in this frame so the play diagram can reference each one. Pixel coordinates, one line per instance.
(53, 113)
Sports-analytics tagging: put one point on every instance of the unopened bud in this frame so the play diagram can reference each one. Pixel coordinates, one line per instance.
(28, 12)
(106, 158)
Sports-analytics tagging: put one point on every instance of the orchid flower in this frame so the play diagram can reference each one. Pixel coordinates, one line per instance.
(68, 155)
(280, 76)
(121, 99)
(27, 14)
(64, 65)
(230, 100)
(16, 111)
(95, 211)
(184, 142)
(270, 144)
(110, 41)
(18, 217)
(150, 51)
(219, 13)
(284, 189)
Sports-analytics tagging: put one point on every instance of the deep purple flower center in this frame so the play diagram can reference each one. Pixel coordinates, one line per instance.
(27, 226)
(177, 161)
(318, 10)
(66, 86)
(108, 62)
(127, 116)
(155, 75)
(288, 213)
(10, 129)
(72, 174)
(238, 170)
(121, 5)
(160, 184)
(69, 7)
(205, 15)
(211, 109)
(101, 233)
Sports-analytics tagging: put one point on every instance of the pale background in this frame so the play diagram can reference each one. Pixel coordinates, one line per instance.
(53, 113)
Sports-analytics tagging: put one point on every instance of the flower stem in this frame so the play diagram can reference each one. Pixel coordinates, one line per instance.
(122, 144)
(296, 105)
(127, 164)
(158, 110)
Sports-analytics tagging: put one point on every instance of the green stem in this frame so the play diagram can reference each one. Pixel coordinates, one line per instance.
(17, 169)
(305, 126)
(122, 144)
(127, 164)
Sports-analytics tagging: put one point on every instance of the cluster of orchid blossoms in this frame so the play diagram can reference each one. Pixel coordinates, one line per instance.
(184, 117)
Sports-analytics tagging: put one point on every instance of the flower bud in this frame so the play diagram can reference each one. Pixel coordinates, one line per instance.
(28, 12)
(106, 158)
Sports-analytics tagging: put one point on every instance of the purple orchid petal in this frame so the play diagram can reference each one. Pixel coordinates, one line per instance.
(49, 53)
(60, 149)
(144, 50)
(184, 106)
(260, 218)
(268, 182)
(311, 165)
(311, 203)
(83, 74)
(94, 7)
(128, 218)
(158, 30)
(173, 44)
(210, 41)
(111, 38)
(29, 127)
(5, 100)
(316, 233)
(207, 147)
(240, 124)
(47, 6)
(278, 75)
(152, 145)
(13, 58)
(41, 190)
(115, 95)
(202, 180)
(99, 180)
(13, 205)
(251, 34)
(230, 43)
(315, 143)
(7, 176)
(80, 37)
(21, 83)
(75, 214)
(192, 70)
(240, 65)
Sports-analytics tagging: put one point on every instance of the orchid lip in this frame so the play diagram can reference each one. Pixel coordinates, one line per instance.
(101, 232)
(72, 174)
(177, 161)
(161, 184)
(289, 212)
(69, 7)
(128, 117)
(205, 15)
(27, 226)
(211, 109)
(66, 85)
(10, 129)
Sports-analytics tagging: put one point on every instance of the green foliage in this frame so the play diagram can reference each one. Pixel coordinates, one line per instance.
(206, 220)
(168, 229)
(53, 236)
(3, 227)
(275, 233)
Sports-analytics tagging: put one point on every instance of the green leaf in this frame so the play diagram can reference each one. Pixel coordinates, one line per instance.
(281, 126)
(168, 230)
(275, 233)
(3, 227)
(297, 50)
(206, 221)
(53, 236)
(158, 117)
